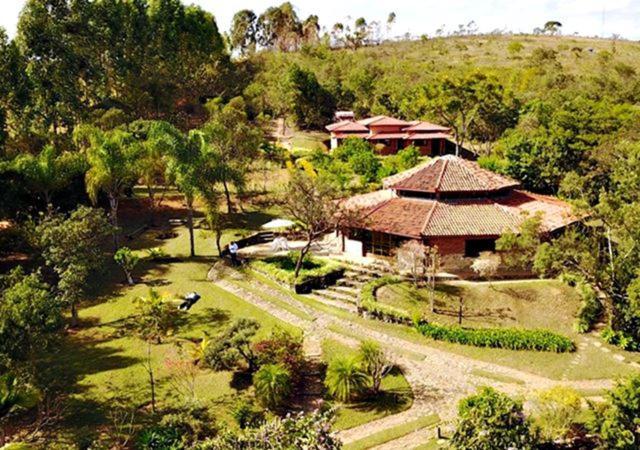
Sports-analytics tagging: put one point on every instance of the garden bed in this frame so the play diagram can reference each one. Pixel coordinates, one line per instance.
(316, 273)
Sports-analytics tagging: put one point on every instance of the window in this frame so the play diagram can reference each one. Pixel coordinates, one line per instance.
(473, 247)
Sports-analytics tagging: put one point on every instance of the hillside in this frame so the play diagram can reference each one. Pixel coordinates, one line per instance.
(382, 79)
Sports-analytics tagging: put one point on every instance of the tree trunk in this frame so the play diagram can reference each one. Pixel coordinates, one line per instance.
(129, 278)
(190, 225)
(113, 203)
(218, 239)
(152, 205)
(74, 314)
(460, 312)
(227, 195)
(303, 253)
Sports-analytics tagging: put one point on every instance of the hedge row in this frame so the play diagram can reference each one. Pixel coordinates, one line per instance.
(509, 338)
(270, 268)
(369, 303)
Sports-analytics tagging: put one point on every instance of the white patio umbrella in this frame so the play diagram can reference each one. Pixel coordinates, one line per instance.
(278, 224)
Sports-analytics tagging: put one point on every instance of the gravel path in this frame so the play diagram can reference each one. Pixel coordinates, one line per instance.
(439, 379)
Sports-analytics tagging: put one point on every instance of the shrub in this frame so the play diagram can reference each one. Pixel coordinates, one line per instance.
(508, 338)
(491, 420)
(247, 415)
(156, 254)
(233, 346)
(128, 260)
(345, 378)
(160, 437)
(283, 348)
(272, 383)
(556, 410)
(375, 363)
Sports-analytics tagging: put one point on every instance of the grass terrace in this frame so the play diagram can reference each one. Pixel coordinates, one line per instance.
(282, 268)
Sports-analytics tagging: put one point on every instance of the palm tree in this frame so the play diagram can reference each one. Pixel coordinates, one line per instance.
(49, 172)
(273, 384)
(111, 156)
(374, 362)
(345, 378)
(185, 169)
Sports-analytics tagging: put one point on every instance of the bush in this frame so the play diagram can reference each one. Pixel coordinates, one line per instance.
(369, 303)
(282, 268)
(590, 310)
(282, 348)
(156, 318)
(247, 415)
(508, 338)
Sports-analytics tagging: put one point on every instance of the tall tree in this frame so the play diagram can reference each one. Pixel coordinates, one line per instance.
(458, 101)
(244, 32)
(73, 248)
(310, 104)
(111, 156)
(280, 28)
(233, 143)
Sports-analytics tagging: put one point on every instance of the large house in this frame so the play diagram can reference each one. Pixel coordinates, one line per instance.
(451, 203)
(389, 135)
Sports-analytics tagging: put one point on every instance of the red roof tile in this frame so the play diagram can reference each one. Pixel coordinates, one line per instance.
(425, 126)
(346, 125)
(399, 216)
(489, 217)
(453, 174)
(413, 136)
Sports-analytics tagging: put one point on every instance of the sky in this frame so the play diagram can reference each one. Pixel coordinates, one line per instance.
(585, 17)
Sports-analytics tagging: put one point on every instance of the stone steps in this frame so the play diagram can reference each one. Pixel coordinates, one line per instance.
(345, 290)
(330, 301)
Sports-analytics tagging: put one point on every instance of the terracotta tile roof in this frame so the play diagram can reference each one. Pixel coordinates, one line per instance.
(489, 217)
(388, 121)
(555, 212)
(399, 216)
(425, 126)
(413, 136)
(346, 125)
(381, 136)
(477, 217)
(369, 120)
(453, 174)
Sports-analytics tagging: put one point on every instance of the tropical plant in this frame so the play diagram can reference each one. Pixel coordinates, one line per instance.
(156, 318)
(16, 395)
(128, 260)
(282, 348)
(272, 383)
(111, 156)
(345, 378)
(49, 172)
(375, 363)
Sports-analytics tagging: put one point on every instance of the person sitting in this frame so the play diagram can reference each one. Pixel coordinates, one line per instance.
(233, 252)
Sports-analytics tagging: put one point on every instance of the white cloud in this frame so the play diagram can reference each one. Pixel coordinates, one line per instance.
(586, 17)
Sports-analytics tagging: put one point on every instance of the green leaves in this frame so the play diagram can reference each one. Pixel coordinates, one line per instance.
(273, 384)
(490, 420)
(345, 378)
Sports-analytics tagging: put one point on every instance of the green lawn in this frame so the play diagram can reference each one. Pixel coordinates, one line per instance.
(102, 360)
(388, 435)
(396, 393)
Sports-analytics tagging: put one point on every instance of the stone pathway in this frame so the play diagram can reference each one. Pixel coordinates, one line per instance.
(438, 380)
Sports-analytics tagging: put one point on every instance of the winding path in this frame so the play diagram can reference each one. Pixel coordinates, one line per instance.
(438, 379)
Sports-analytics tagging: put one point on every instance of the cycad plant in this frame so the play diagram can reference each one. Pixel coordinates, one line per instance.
(345, 378)
(273, 384)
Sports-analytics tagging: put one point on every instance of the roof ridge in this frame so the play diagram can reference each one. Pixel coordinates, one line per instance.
(444, 167)
(428, 218)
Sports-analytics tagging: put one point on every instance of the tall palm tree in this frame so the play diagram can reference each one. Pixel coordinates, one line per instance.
(49, 172)
(345, 378)
(111, 156)
(273, 384)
